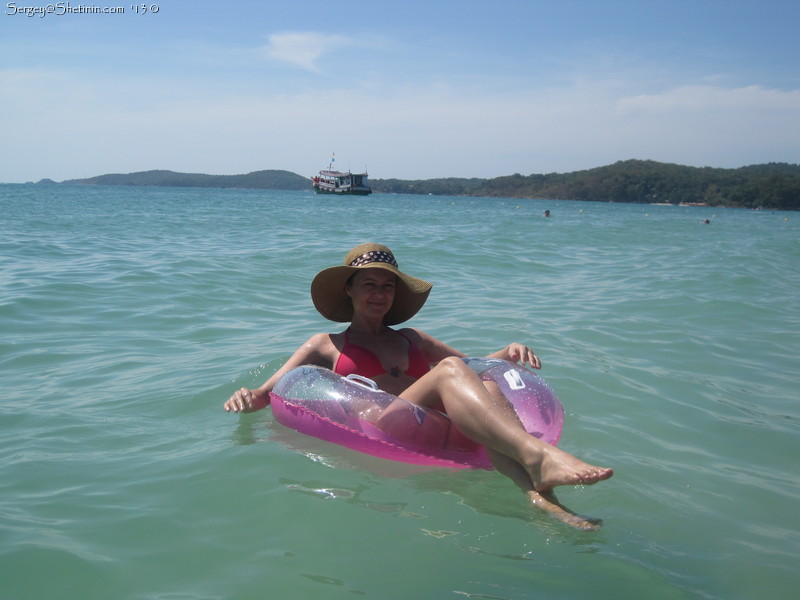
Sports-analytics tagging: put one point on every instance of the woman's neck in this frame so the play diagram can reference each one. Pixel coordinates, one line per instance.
(374, 328)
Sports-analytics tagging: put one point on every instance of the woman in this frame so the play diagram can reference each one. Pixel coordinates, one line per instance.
(371, 293)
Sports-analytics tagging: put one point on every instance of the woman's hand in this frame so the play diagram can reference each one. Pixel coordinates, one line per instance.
(521, 354)
(245, 400)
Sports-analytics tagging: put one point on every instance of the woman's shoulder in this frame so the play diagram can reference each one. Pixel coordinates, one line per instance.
(417, 337)
(326, 344)
(412, 334)
(433, 348)
(323, 340)
(319, 349)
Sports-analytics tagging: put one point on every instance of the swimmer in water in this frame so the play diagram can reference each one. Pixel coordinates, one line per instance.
(369, 292)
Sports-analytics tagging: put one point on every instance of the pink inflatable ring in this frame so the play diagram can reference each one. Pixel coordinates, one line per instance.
(352, 412)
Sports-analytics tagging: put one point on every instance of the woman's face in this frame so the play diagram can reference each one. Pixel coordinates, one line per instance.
(372, 292)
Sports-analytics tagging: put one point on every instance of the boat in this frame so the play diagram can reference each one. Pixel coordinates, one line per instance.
(339, 182)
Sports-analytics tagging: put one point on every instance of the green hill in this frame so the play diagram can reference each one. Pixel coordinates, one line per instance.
(770, 186)
(260, 180)
(774, 185)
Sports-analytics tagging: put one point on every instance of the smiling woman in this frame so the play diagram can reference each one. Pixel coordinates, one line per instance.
(371, 293)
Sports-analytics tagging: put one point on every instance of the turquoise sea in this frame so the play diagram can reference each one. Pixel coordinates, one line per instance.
(128, 316)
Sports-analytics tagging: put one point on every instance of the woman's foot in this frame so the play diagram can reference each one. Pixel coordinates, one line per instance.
(545, 500)
(554, 467)
(549, 503)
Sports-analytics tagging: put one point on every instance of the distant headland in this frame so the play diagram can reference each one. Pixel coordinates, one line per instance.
(767, 186)
(257, 180)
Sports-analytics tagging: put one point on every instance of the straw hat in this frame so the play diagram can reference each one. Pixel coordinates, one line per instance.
(331, 300)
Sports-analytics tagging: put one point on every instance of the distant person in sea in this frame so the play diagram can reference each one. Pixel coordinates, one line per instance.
(547, 213)
(369, 292)
(707, 222)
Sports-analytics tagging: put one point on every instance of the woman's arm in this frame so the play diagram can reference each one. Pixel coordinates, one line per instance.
(318, 350)
(436, 350)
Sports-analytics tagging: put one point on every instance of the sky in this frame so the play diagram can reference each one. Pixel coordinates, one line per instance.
(410, 90)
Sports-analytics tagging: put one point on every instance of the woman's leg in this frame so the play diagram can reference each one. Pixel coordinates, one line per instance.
(546, 501)
(491, 422)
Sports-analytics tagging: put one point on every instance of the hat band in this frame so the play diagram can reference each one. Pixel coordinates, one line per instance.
(373, 256)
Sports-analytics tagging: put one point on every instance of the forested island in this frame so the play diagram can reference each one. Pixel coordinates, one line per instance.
(768, 186)
(257, 180)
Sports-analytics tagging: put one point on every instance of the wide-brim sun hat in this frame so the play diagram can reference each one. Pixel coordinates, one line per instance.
(331, 300)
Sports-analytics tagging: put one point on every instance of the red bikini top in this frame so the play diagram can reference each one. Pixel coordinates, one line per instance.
(359, 360)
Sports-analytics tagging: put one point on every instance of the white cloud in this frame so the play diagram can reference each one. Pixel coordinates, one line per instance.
(706, 98)
(303, 49)
(64, 125)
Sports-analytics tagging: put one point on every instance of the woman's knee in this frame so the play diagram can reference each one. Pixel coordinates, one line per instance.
(457, 372)
(453, 363)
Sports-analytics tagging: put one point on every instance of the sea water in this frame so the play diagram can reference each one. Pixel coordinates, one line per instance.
(128, 316)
